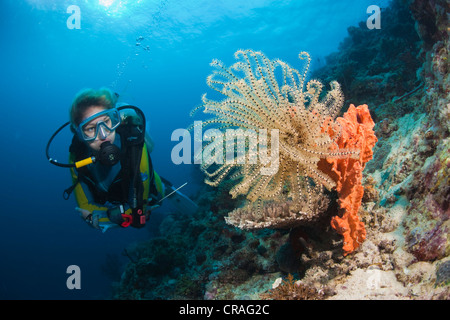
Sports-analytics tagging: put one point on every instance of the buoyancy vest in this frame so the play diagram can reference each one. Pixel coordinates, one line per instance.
(136, 185)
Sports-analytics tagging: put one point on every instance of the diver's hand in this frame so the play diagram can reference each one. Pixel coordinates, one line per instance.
(88, 217)
(151, 208)
(83, 212)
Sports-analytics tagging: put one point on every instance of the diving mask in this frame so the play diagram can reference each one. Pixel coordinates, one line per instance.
(101, 123)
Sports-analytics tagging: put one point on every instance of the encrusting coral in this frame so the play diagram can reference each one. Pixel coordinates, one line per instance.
(268, 96)
(292, 290)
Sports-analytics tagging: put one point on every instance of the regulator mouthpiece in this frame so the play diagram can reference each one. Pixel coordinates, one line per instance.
(109, 154)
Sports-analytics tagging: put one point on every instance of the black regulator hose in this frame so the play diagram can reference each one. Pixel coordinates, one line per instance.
(54, 161)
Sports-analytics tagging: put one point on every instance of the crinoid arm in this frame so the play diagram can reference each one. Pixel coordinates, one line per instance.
(262, 95)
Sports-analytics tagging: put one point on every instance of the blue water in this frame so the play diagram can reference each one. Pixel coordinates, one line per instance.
(156, 54)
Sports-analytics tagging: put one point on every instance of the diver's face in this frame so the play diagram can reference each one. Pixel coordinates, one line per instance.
(92, 125)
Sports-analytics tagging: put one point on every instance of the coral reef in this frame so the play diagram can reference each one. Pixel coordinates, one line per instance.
(405, 206)
(376, 66)
(276, 214)
(382, 285)
(289, 289)
(291, 193)
(443, 274)
(202, 259)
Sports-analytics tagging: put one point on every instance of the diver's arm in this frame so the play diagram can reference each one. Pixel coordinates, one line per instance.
(93, 213)
(96, 215)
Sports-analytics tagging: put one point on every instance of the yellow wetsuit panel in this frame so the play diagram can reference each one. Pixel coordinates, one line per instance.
(145, 171)
(80, 195)
(159, 185)
(83, 201)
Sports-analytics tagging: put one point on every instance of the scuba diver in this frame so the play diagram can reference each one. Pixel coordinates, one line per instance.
(110, 164)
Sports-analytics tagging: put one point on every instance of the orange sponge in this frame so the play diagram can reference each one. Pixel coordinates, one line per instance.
(355, 132)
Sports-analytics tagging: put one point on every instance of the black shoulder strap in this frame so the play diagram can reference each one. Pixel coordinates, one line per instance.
(133, 138)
